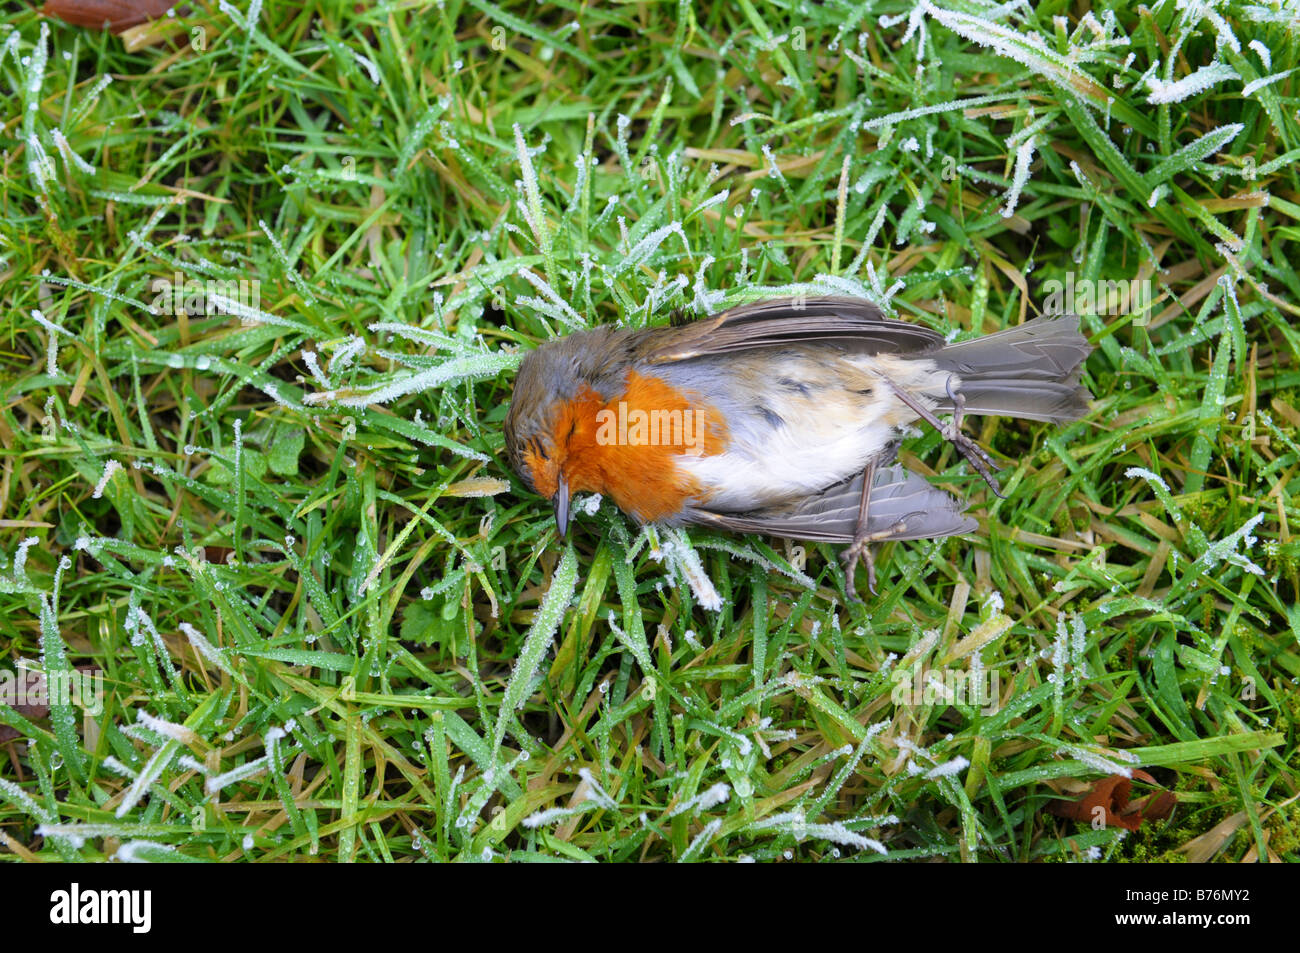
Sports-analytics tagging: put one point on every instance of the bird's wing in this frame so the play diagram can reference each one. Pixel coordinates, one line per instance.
(897, 496)
(849, 322)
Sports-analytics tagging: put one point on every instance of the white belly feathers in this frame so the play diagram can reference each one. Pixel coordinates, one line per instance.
(818, 420)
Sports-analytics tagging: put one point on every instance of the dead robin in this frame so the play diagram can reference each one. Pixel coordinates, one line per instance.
(779, 417)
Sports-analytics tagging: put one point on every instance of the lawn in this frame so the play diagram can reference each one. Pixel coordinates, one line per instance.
(266, 272)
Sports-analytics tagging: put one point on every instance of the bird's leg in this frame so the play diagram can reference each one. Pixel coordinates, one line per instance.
(972, 452)
(860, 548)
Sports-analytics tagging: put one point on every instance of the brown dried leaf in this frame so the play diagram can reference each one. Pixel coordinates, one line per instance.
(1111, 796)
(29, 685)
(115, 15)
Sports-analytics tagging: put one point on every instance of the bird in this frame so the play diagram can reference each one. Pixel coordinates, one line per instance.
(780, 417)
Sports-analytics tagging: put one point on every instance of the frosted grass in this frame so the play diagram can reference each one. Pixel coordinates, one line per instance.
(1256, 85)
(241, 773)
(148, 775)
(205, 648)
(530, 207)
(536, 643)
(1099, 762)
(110, 468)
(1205, 78)
(1029, 50)
(701, 840)
(719, 793)
(69, 154)
(892, 119)
(478, 367)
(1024, 156)
(684, 561)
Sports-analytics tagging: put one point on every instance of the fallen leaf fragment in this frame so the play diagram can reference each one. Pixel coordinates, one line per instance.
(1109, 799)
(115, 15)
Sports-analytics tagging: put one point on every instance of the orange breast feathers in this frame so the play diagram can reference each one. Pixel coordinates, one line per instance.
(624, 448)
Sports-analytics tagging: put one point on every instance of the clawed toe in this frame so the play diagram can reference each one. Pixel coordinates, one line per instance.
(860, 549)
(978, 459)
(972, 452)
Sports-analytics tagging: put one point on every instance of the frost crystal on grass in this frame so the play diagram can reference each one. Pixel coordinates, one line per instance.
(189, 764)
(650, 244)
(294, 278)
(702, 839)
(245, 23)
(531, 205)
(117, 767)
(540, 635)
(705, 301)
(553, 814)
(477, 367)
(109, 469)
(20, 560)
(347, 352)
(69, 156)
(1099, 762)
(52, 346)
(1224, 549)
(368, 64)
(219, 781)
(1224, 34)
(682, 558)
(712, 200)
(170, 729)
(563, 311)
(1027, 49)
(36, 72)
(150, 773)
(718, 794)
(836, 833)
(1258, 84)
(313, 365)
(948, 768)
(591, 790)
(251, 315)
(145, 852)
(205, 648)
(1188, 86)
(1024, 156)
(894, 118)
(1263, 52)
(20, 797)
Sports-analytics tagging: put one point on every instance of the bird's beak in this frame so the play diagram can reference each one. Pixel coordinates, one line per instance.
(561, 503)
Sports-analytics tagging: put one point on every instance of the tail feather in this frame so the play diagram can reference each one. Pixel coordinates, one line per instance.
(1030, 371)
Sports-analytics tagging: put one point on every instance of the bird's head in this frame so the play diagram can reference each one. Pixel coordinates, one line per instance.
(558, 390)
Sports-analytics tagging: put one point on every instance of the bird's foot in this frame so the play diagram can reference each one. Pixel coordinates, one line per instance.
(860, 549)
(973, 453)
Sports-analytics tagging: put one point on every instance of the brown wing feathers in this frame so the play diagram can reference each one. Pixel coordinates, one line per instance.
(851, 323)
